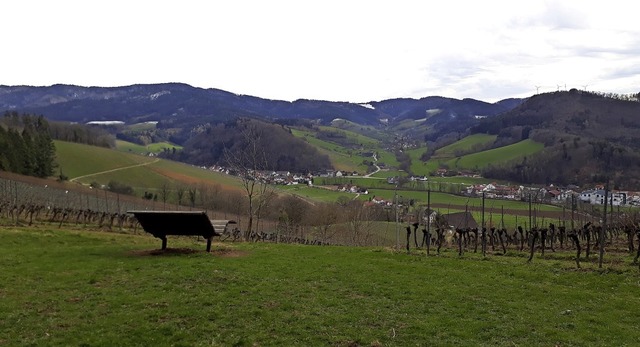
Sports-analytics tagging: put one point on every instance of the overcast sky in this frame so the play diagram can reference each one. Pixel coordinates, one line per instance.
(330, 50)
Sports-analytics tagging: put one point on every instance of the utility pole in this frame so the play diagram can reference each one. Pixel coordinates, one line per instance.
(395, 197)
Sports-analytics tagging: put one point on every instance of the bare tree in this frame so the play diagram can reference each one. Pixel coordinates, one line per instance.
(358, 220)
(164, 194)
(248, 160)
(235, 203)
(192, 192)
(294, 210)
(263, 203)
(180, 189)
(323, 218)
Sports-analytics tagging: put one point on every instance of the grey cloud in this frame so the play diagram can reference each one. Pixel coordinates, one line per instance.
(623, 72)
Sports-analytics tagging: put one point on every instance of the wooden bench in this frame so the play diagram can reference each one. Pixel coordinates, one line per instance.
(181, 223)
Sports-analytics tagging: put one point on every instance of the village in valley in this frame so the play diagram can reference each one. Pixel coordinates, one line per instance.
(551, 194)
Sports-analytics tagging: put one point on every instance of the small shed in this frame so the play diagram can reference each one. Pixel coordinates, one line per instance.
(462, 220)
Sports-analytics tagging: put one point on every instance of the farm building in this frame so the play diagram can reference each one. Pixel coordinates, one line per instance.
(596, 197)
(461, 220)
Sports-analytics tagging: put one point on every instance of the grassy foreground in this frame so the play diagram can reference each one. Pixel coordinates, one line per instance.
(93, 288)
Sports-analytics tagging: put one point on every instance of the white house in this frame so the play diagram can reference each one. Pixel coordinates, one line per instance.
(596, 197)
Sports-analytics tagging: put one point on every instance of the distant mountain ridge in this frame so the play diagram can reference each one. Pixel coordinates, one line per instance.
(165, 102)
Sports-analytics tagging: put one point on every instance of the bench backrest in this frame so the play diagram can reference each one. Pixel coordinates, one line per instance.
(163, 223)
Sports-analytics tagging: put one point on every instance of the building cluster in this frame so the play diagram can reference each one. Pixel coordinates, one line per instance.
(349, 188)
(553, 194)
(550, 194)
(271, 177)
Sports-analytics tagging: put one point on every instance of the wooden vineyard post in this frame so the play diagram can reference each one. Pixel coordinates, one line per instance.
(603, 229)
(484, 231)
(428, 220)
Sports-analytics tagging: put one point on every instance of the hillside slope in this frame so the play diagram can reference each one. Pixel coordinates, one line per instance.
(86, 164)
(588, 138)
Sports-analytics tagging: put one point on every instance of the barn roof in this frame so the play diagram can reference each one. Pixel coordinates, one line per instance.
(461, 220)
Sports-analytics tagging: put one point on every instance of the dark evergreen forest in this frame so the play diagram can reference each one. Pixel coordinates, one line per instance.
(26, 146)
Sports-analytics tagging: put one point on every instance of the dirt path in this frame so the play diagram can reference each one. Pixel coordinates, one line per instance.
(375, 163)
(116, 169)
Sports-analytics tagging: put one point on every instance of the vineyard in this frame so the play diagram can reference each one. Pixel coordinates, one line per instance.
(59, 204)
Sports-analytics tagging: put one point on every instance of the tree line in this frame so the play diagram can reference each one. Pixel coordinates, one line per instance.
(26, 146)
(80, 133)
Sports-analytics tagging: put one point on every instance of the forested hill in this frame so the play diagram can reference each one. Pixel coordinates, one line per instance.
(278, 148)
(174, 104)
(588, 137)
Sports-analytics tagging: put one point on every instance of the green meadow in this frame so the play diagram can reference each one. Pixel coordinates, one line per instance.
(76, 159)
(464, 145)
(72, 287)
(158, 147)
(496, 156)
(343, 158)
(87, 164)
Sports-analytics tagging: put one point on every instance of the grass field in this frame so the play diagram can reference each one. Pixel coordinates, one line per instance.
(366, 130)
(465, 144)
(497, 155)
(341, 158)
(63, 287)
(346, 159)
(363, 140)
(87, 164)
(131, 147)
(418, 167)
(77, 159)
(316, 193)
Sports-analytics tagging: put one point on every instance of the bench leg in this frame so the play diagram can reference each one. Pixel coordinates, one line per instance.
(209, 244)
(164, 243)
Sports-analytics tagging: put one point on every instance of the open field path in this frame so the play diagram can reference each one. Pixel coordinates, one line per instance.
(375, 163)
(116, 169)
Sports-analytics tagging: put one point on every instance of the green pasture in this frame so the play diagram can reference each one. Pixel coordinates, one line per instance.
(465, 144)
(365, 141)
(497, 155)
(408, 124)
(316, 193)
(63, 288)
(126, 146)
(388, 158)
(140, 172)
(457, 201)
(366, 130)
(158, 147)
(142, 127)
(386, 173)
(418, 167)
(78, 160)
(461, 180)
(341, 157)
(363, 182)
